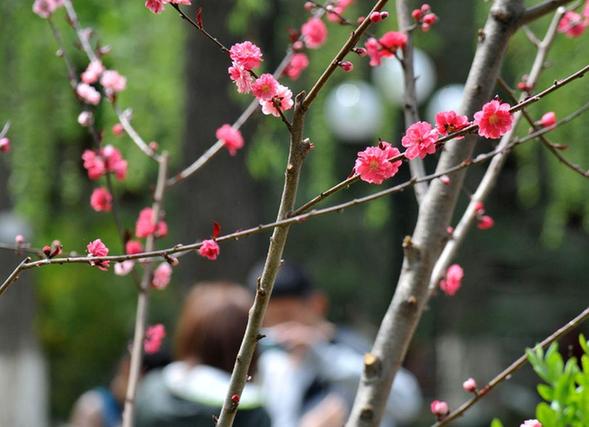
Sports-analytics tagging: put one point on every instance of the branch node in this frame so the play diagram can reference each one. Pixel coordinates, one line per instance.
(372, 365)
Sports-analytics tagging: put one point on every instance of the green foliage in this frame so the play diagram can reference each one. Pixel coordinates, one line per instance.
(565, 389)
(496, 423)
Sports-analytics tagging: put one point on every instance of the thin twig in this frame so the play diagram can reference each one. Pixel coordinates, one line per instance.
(124, 117)
(511, 369)
(201, 29)
(13, 276)
(539, 10)
(142, 300)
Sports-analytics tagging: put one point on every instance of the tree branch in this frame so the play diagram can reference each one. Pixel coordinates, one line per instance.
(142, 300)
(410, 94)
(541, 9)
(13, 277)
(424, 246)
(515, 366)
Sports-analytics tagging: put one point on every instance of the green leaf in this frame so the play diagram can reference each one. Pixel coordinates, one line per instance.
(496, 423)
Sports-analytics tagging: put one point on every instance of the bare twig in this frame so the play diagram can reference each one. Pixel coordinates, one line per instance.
(13, 276)
(488, 181)
(515, 366)
(410, 95)
(5, 130)
(142, 300)
(200, 28)
(541, 9)
(124, 119)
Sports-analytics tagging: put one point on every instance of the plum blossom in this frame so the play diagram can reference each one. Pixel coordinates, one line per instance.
(453, 280)
(485, 222)
(374, 165)
(209, 249)
(284, 99)
(113, 82)
(265, 87)
(246, 55)
(44, 8)
(154, 336)
(439, 408)
(449, 122)
(572, 24)
(4, 145)
(124, 268)
(88, 94)
(298, 63)
(531, 423)
(86, 119)
(117, 129)
(101, 200)
(92, 72)
(156, 6)
(315, 33)
(420, 140)
(145, 225)
(114, 162)
(424, 17)
(98, 249)
(161, 276)
(337, 9)
(548, 119)
(242, 78)
(385, 47)
(494, 120)
(161, 229)
(133, 247)
(94, 164)
(470, 385)
(230, 137)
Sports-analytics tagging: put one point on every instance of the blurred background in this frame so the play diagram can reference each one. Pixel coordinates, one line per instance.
(63, 329)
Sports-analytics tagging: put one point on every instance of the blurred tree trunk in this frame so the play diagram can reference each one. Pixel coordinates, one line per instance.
(222, 191)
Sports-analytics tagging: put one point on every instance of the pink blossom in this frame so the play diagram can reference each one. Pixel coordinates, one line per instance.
(420, 140)
(101, 200)
(156, 6)
(392, 41)
(531, 423)
(470, 385)
(338, 9)
(242, 78)
(315, 33)
(439, 408)
(94, 164)
(209, 249)
(284, 99)
(161, 276)
(114, 161)
(86, 119)
(548, 119)
(133, 247)
(19, 239)
(373, 50)
(453, 280)
(374, 165)
(98, 249)
(4, 145)
(230, 137)
(572, 24)
(44, 8)
(113, 82)
(445, 179)
(449, 122)
(347, 66)
(118, 129)
(485, 222)
(479, 207)
(265, 87)
(124, 268)
(494, 119)
(161, 229)
(88, 94)
(93, 72)
(298, 63)
(145, 225)
(154, 336)
(246, 55)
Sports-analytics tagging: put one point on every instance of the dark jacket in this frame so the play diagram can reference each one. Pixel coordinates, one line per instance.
(160, 404)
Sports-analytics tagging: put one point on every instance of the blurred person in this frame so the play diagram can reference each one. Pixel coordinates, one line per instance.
(103, 406)
(309, 369)
(191, 390)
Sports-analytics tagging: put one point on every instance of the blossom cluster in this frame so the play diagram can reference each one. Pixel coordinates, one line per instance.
(424, 17)
(573, 24)
(154, 337)
(111, 81)
(45, 8)
(104, 160)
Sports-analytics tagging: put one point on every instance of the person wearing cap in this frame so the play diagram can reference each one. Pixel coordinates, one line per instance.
(309, 368)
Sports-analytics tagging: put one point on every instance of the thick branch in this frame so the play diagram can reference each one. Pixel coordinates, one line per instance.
(410, 94)
(490, 178)
(422, 249)
(297, 153)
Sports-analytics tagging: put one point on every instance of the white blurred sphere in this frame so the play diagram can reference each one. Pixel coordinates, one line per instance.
(389, 77)
(353, 111)
(445, 99)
